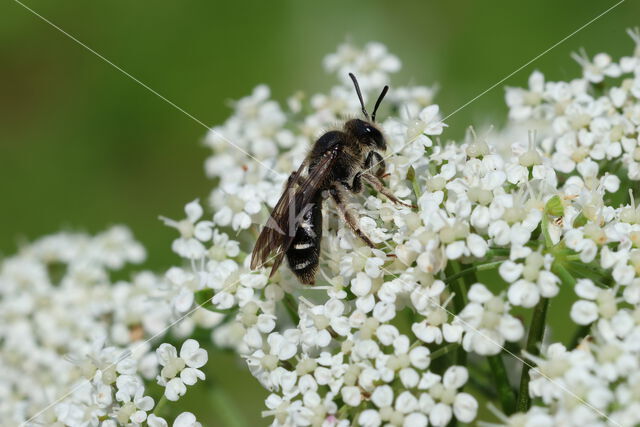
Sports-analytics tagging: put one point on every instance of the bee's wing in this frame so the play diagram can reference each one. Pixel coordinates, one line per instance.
(278, 233)
(274, 232)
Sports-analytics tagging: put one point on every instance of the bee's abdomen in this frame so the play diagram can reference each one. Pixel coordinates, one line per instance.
(304, 253)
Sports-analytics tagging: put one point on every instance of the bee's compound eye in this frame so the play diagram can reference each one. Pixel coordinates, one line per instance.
(367, 129)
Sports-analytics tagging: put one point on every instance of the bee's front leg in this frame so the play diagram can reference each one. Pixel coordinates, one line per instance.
(348, 216)
(376, 183)
(375, 161)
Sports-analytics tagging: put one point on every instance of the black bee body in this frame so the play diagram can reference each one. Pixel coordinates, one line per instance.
(303, 255)
(338, 163)
(350, 155)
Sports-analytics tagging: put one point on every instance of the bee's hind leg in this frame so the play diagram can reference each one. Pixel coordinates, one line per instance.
(339, 197)
(380, 188)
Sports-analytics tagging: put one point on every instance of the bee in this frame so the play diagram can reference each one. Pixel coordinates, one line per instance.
(339, 163)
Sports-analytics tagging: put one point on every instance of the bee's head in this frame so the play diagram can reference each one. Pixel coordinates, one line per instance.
(366, 133)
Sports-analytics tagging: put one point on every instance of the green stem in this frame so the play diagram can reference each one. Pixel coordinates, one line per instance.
(503, 387)
(225, 408)
(497, 252)
(457, 284)
(536, 333)
(443, 351)
(292, 308)
(559, 270)
(459, 299)
(477, 377)
(477, 267)
(411, 176)
(545, 231)
(160, 406)
(590, 271)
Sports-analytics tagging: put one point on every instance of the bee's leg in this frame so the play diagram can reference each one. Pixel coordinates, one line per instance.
(356, 185)
(375, 161)
(339, 197)
(380, 188)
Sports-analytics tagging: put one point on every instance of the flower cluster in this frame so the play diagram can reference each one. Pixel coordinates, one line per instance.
(409, 333)
(589, 123)
(75, 347)
(372, 341)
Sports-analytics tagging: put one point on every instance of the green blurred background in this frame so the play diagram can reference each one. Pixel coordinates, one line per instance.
(82, 146)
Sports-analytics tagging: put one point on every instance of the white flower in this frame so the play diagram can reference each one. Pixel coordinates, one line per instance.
(601, 66)
(340, 352)
(192, 232)
(186, 419)
(531, 280)
(427, 123)
(487, 322)
(522, 102)
(369, 418)
(180, 371)
(134, 404)
(595, 303)
(371, 65)
(155, 421)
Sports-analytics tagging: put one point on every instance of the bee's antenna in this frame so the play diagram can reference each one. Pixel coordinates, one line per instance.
(380, 98)
(355, 83)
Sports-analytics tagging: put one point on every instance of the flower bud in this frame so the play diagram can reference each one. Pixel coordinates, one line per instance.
(477, 149)
(530, 158)
(554, 206)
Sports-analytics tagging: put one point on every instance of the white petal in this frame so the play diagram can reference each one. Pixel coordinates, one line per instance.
(361, 284)
(287, 351)
(419, 357)
(455, 250)
(455, 377)
(523, 293)
(510, 271)
(386, 334)
(145, 403)
(548, 284)
(166, 353)
(511, 328)
(479, 293)
(351, 395)
(406, 402)
(183, 301)
(440, 415)
(382, 396)
(190, 375)
(477, 245)
(174, 389)
(415, 419)
(155, 421)
(465, 407)
(241, 221)
(384, 311)
(369, 418)
(193, 210)
(203, 231)
(186, 419)
(585, 288)
(138, 417)
(193, 355)
(584, 312)
(452, 333)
